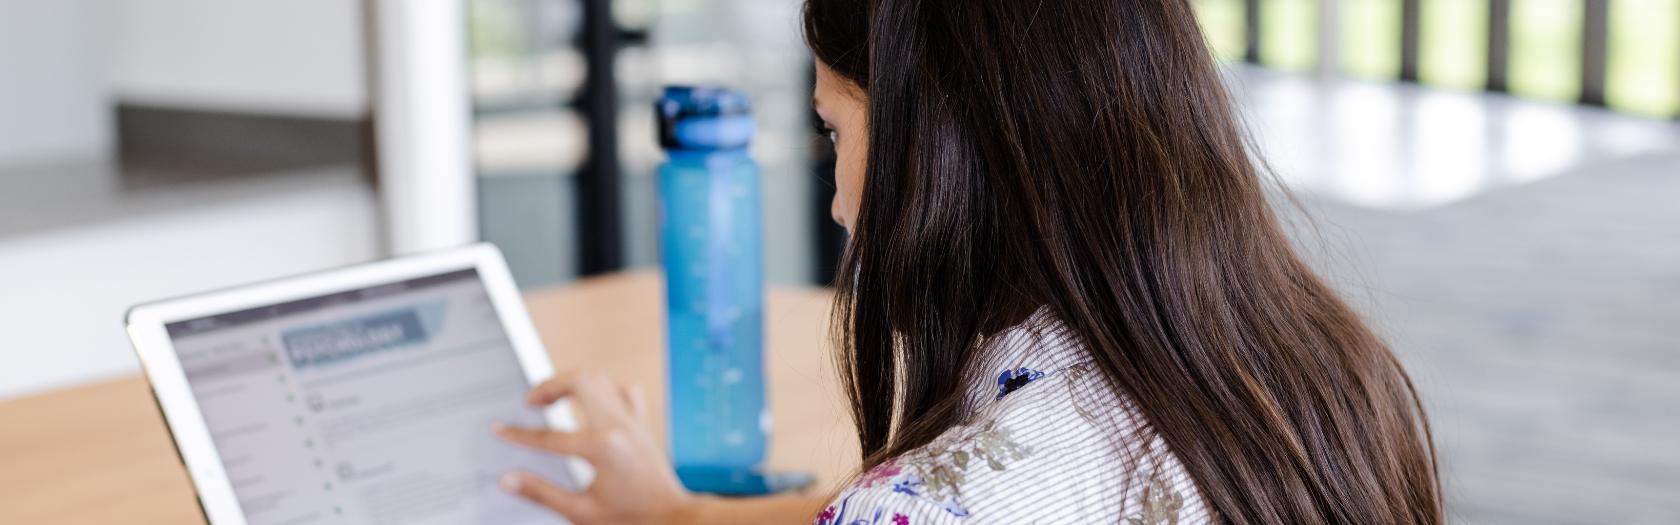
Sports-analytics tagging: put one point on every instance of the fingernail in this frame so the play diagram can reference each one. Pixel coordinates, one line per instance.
(511, 482)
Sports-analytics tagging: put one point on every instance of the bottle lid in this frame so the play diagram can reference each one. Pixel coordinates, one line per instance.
(703, 118)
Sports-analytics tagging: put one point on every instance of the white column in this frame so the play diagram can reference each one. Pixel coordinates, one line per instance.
(422, 110)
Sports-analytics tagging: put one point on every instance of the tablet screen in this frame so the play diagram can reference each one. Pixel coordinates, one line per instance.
(366, 406)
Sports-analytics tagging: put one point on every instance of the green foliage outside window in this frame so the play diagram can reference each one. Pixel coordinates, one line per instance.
(1452, 43)
(1643, 74)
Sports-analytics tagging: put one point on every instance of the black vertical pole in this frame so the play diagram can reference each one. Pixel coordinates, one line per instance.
(1411, 31)
(1251, 31)
(600, 235)
(370, 76)
(830, 238)
(1499, 46)
(1595, 50)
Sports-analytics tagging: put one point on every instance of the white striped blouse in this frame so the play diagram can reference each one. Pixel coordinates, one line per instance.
(1043, 440)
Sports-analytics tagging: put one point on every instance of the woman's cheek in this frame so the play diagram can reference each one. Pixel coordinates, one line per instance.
(849, 185)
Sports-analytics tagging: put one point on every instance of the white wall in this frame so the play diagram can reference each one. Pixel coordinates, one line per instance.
(63, 293)
(52, 97)
(62, 62)
(299, 57)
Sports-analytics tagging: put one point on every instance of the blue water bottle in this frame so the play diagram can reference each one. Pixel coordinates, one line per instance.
(710, 237)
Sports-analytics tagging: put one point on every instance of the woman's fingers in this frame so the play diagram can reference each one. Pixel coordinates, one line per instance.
(558, 442)
(570, 504)
(547, 392)
(634, 398)
(633, 481)
(593, 393)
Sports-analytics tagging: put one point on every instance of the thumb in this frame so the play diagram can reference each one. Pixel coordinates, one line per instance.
(574, 506)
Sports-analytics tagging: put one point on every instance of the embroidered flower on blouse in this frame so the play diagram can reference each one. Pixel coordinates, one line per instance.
(1158, 504)
(913, 486)
(938, 470)
(934, 473)
(1076, 375)
(880, 474)
(1012, 380)
(844, 513)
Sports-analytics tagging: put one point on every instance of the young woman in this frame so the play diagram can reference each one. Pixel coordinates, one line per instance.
(1066, 299)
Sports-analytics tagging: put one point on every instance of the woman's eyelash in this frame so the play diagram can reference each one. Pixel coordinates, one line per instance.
(823, 129)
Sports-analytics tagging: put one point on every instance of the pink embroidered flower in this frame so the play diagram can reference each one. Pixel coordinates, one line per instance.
(880, 474)
(900, 519)
(827, 515)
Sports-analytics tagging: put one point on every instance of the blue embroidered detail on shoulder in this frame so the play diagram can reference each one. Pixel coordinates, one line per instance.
(1012, 380)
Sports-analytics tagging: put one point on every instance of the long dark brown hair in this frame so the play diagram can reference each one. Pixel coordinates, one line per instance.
(1083, 156)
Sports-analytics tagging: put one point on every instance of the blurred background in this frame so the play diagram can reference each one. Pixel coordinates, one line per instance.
(1495, 183)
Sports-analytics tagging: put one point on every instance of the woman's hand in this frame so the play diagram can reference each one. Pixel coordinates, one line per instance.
(634, 482)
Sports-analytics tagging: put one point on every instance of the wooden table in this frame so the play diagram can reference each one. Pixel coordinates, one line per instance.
(100, 454)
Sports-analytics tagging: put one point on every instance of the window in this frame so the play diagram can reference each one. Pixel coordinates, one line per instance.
(1289, 34)
(1222, 24)
(1452, 46)
(1644, 57)
(1370, 38)
(1546, 49)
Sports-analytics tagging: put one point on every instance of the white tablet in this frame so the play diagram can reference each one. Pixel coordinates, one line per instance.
(360, 395)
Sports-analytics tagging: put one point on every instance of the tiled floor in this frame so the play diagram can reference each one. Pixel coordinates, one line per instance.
(1403, 146)
(1524, 261)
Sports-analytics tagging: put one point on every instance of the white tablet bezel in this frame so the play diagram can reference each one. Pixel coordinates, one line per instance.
(146, 328)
